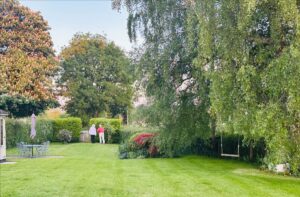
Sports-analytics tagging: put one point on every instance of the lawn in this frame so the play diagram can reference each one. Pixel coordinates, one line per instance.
(95, 170)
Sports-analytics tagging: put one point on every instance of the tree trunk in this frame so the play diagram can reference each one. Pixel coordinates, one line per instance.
(213, 133)
(251, 151)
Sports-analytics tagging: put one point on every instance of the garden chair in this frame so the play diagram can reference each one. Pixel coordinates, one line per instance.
(23, 151)
(42, 150)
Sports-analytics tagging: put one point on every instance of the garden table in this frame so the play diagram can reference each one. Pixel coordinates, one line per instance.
(32, 146)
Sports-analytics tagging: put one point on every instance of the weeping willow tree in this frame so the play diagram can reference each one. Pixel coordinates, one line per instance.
(250, 52)
(179, 92)
(233, 64)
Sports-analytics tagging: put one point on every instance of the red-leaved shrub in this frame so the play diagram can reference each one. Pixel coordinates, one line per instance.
(144, 141)
(143, 138)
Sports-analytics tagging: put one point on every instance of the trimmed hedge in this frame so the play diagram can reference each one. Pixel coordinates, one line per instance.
(72, 124)
(113, 123)
(112, 128)
(18, 130)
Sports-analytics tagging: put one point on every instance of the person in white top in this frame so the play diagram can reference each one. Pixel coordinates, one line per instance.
(93, 133)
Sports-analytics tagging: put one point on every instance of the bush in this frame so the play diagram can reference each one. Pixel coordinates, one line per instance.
(282, 148)
(143, 139)
(112, 123)
(64, 136)
(128, 131)
(18, 130)
(71, 124)
(112, 128)
(44, 130)
(139, 145)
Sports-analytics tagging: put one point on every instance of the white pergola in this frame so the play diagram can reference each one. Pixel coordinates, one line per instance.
(3, 114)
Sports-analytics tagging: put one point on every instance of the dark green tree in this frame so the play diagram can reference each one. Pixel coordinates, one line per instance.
(94, 77)
(19, 106)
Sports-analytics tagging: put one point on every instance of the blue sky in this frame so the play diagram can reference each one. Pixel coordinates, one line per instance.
(68, 17)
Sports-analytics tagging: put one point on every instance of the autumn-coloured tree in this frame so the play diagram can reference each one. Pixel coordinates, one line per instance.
(26, 52)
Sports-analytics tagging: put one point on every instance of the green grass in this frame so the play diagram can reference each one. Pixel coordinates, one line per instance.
(95, 170)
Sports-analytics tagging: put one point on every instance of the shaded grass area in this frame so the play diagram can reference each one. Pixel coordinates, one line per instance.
(95, 170)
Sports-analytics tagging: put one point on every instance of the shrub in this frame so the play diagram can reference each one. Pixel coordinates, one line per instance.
(139, 129)
(113, 123)
(44, 130)
(139, 145)
(18, 130)
(282, 148)
(127, 131)
(71, 124)
(113, 137)
(112, 128)
(64, 136)
(143, 138)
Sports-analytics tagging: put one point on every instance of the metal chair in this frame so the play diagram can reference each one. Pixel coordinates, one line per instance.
(42, 150)
(23, 150)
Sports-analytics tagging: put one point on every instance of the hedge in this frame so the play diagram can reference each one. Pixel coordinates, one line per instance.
(112, 127)
(18, 130)
(71, 124)
(113, 123)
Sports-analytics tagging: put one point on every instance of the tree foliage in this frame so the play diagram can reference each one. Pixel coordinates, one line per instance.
(241, 60)
(180, 102)
(26, 53)
(19, 106)
(250, 50)
(94, 74)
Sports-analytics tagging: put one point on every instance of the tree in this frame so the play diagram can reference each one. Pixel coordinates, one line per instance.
(26, 60)
(94, 74)
(180, 103)
(19, 106)
(26, 54)
(250, 50)
(242, 59)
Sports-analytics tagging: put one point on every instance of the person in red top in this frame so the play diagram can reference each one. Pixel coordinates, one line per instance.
(100, 131)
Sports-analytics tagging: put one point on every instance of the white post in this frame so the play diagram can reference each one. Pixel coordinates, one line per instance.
(3, 114)
(2, 140)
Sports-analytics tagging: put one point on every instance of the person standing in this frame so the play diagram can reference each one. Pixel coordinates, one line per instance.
(100, 131)
(93, 133)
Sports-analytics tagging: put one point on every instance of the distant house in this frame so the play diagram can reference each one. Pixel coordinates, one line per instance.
(3, 114)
